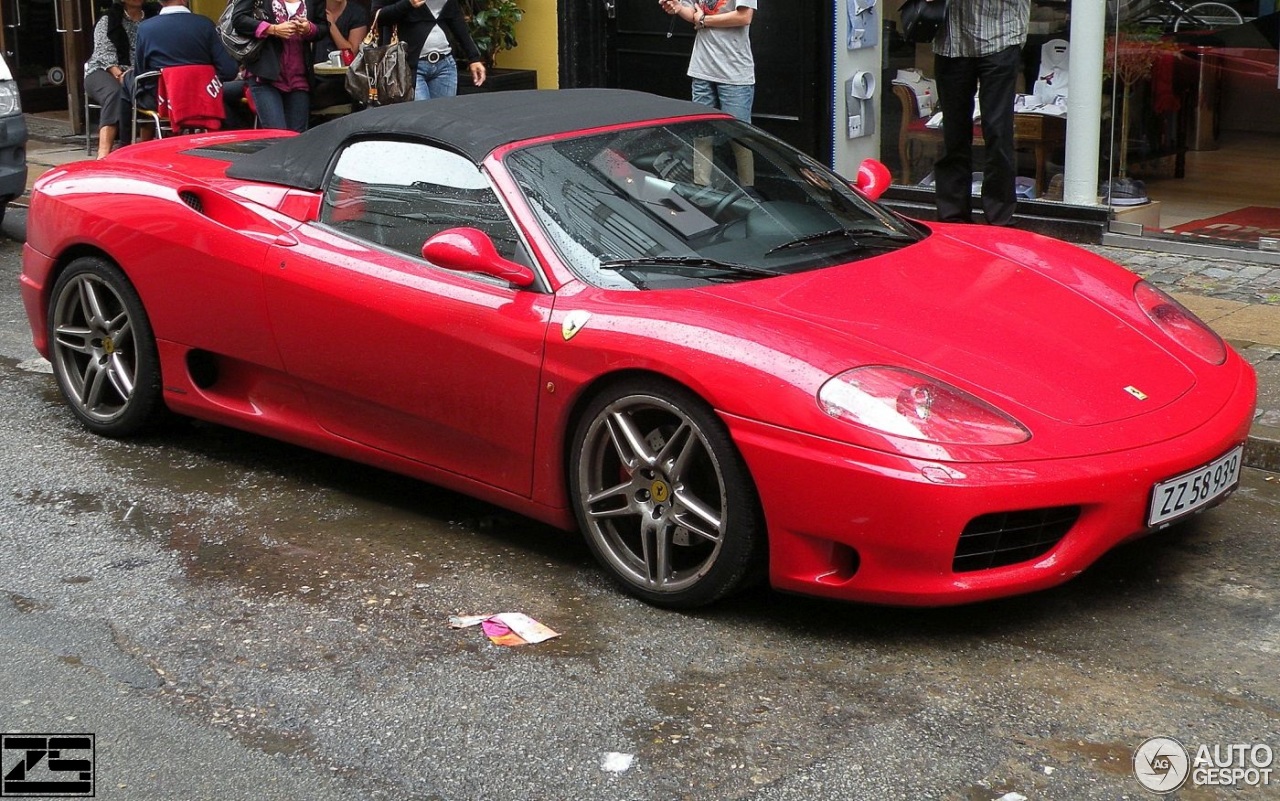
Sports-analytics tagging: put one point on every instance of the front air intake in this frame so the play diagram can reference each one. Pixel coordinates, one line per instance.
(1007, 538)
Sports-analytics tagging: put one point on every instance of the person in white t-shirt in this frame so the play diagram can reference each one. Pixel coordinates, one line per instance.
(722, 67)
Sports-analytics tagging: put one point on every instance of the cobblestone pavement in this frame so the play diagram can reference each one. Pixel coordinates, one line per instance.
(1218, 278)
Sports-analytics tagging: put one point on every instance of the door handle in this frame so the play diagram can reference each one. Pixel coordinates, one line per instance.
(80, 7)
(611, 9)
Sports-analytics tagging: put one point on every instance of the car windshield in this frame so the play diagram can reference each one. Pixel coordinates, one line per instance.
(693, 203)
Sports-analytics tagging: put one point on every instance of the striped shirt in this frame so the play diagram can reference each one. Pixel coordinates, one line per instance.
(982, 27)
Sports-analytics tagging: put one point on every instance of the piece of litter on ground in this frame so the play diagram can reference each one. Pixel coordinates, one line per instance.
(1012, 797)
(616, 762)
(506, 628)
(464, 621)
(516, 628)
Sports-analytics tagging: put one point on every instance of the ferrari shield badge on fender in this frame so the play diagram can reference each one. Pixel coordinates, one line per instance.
(574, 322)
(1135, 392)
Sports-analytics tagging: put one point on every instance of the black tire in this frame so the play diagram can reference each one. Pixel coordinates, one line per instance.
(663, 496)
(103, 350)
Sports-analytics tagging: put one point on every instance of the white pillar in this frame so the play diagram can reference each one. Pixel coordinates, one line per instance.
(1084, 101)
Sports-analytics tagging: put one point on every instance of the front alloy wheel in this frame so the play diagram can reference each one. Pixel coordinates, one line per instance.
(102, 348)
(663, 496)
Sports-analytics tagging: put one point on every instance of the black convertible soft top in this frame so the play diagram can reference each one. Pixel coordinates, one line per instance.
(473, 125)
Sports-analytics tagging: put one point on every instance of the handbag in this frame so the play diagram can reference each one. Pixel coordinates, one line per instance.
(380, 75)
(242, 48)
(922, 19)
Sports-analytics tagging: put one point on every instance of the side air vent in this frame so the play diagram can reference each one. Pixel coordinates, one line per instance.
(1007, 538)
(192, 200)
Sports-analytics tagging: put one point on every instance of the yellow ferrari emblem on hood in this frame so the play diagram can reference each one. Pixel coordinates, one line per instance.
(574, 322)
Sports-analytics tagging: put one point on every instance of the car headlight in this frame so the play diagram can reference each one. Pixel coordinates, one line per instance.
(9, 103)
(908, 404)
(1180, 324)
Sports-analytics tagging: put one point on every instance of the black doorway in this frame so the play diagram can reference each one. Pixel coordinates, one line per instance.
(625, 44)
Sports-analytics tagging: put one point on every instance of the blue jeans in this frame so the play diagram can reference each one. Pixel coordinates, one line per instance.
(730, 98)
(276, 109)
(435, 80)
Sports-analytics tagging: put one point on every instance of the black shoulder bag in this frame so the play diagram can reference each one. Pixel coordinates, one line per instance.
(922, 19)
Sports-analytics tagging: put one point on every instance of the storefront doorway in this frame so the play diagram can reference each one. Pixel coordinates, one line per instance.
(40, 39)
(1189, 139)
(1203, 140)
(631, 44)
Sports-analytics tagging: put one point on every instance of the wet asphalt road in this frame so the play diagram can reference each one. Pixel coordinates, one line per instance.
(239, 619)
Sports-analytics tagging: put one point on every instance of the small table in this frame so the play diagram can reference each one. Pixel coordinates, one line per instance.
(1037, 131)
(1040, 131)
(339, 110)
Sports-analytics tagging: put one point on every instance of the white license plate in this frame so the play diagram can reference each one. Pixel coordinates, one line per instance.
(1196, 489)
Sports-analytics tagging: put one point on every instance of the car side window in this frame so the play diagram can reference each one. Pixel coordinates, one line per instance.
(399, 194)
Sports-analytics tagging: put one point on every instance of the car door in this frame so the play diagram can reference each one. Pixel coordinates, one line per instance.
(438, 366)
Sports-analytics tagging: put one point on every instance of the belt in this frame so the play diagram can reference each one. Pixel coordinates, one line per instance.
(436, 55)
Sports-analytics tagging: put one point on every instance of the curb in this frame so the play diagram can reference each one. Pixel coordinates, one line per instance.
(55, 139)
(1262, 449)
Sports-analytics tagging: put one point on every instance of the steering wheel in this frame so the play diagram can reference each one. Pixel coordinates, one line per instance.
(730, 197)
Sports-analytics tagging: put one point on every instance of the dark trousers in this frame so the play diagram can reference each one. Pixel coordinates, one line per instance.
(994, 78)
(233, 101)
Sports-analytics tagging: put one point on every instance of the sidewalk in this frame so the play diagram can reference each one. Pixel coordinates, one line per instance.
(1239, 299)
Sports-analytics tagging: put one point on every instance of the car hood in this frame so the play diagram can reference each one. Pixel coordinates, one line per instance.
(1016, 320)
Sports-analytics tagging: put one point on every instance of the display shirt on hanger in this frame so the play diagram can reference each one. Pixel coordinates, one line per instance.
(924, 89)
(1051, 81)
(859, 93)
(862, 24)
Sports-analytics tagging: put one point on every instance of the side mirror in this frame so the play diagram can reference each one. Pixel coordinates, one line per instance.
(470, 250)
(873, 178)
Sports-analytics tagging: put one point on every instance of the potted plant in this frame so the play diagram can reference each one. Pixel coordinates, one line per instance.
(493, 25)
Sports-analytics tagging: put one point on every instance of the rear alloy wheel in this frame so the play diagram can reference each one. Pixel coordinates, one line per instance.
(663, 496)
(102, 349)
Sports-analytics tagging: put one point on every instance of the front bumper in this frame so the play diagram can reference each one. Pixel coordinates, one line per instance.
(861, 525)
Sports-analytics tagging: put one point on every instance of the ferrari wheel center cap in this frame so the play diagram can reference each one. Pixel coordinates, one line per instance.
(108, 347)
(660, 491)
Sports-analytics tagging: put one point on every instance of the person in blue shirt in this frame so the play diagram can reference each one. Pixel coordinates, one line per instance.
(173, 38)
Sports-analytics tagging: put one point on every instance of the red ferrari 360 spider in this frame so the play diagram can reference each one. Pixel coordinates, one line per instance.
(638, 317)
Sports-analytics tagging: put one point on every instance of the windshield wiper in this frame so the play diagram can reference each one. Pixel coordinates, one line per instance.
(855, 235)
(692, 262)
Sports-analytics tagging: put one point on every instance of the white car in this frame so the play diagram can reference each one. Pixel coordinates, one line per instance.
(13, 140)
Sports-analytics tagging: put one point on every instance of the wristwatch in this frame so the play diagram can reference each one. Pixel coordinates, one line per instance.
(701, 22)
